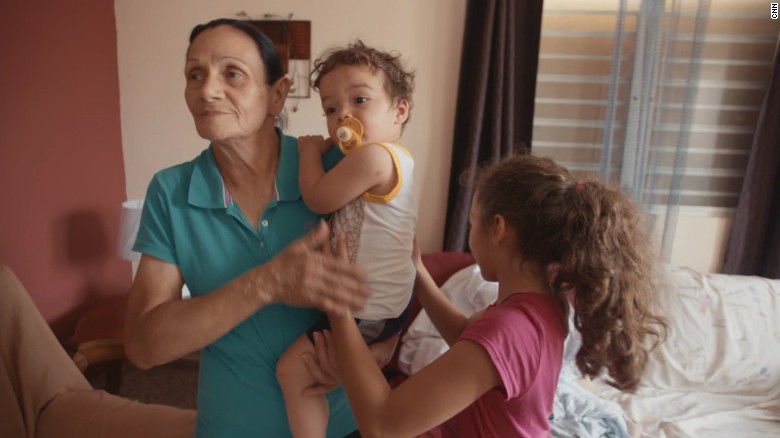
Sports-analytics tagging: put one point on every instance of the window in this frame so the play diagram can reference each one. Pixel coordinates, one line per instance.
(573, 85)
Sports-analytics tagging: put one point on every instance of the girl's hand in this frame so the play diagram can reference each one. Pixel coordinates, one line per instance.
(322, 365)
(308, 143)
(417, 255)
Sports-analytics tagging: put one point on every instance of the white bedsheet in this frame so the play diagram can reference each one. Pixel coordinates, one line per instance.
(718, 374)
(421, 344)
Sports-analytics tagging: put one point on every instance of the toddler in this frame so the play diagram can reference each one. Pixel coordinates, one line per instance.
(366, 95)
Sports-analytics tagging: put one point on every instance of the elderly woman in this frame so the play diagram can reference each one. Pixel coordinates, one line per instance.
(232, 226)
(224, 224)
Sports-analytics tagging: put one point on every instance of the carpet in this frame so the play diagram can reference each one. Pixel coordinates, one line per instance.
(173, 384)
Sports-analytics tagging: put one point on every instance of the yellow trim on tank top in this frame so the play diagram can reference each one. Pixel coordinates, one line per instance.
(385, 199)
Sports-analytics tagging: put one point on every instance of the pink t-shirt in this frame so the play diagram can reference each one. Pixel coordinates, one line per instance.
(524, 337)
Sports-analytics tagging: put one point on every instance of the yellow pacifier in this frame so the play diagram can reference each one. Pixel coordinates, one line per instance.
(349, 135)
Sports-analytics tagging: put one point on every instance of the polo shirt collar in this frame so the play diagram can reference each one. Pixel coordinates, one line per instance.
(207, 188)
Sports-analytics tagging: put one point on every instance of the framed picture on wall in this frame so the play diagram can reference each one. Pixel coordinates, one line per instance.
(292, 39)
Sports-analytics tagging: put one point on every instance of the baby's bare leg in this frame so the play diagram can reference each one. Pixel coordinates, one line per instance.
(307, 416)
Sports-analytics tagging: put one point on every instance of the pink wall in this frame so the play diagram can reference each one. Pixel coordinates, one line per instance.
(62, 176)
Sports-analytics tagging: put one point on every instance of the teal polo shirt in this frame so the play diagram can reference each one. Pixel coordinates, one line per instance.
(190, 220)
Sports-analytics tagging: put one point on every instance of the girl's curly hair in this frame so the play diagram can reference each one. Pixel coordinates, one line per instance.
(399, 82)
(592, 234)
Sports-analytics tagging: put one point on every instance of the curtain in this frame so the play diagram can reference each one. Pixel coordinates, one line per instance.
(495, 106)
(754, 242)
(645, 146)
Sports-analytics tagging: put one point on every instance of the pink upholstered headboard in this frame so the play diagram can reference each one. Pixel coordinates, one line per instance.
(442, 265)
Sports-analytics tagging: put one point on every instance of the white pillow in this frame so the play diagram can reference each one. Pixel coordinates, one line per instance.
(421, 344)
(470, 293)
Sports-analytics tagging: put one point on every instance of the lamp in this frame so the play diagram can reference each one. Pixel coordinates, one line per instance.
(129, 222)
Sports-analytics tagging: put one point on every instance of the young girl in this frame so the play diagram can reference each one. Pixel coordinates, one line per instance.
(546, 238)
(367, 94)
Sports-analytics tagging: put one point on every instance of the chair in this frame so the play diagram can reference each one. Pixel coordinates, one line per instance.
(99, 334)
(99, 338)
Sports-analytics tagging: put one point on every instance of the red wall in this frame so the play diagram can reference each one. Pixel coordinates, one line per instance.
(62, 177)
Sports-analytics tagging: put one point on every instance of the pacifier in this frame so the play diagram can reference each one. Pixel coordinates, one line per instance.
(349, 135)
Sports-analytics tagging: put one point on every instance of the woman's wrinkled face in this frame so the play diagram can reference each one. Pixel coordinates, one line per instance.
(226, 90)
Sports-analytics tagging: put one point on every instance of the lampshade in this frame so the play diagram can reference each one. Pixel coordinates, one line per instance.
(129, 222)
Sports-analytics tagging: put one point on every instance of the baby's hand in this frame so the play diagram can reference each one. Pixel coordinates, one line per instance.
(314, 142)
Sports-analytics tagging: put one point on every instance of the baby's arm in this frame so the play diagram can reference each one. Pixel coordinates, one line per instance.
(368, 168)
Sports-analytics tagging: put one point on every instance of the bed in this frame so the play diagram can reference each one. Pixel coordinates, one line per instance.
(718, 374)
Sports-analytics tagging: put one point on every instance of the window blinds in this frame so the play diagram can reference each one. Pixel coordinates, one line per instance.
(577, 44)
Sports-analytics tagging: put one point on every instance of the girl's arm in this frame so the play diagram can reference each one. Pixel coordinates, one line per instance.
(448, 320)
(366, 169)
(322, 363)
(428, 398)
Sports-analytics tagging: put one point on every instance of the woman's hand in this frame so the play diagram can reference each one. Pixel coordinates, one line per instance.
(307, 274)
(317, 143)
